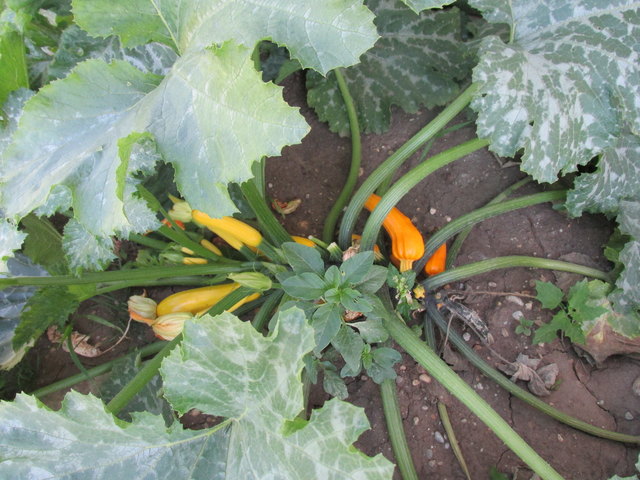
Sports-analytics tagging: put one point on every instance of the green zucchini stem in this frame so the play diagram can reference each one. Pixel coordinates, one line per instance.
(391, 164)
(356, 157)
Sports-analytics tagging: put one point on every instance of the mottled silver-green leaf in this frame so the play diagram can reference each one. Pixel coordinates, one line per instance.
(225, 367)
(565, 85)
(76, 46)
(626, 324)
(12, 301)
(84, 250)
(617, 178)
(627, 295)
(322, 35)
(83, 441)
(417, 62)
(10, 113)
(10, 240)
(419, 5)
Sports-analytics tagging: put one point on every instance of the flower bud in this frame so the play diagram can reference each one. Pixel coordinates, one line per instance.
(169, 326)
(253, 280)
(181, 210)
(142, 309)
(171, 257)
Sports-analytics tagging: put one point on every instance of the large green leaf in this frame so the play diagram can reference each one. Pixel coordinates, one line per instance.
(627, 295)
(68, 134)
(322, 35)
(12, 301)
(617, 178)
(565, 87)
(199, 115)
(76, 46)
(417, 62)
(255, 381)
(252, 380)
(565, 90)
(82, 440)
(10, 238)
(13, 67)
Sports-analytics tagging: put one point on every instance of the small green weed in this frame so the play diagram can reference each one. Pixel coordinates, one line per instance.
(572, 311)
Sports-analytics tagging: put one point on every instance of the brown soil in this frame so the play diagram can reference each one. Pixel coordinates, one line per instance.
(314, 172)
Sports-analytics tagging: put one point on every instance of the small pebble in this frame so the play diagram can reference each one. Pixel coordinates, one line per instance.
(514, 299)
(403, 367)
(425, 378)
(416, 420)
(270, 185)
(438, 436)
(466, 336)
(447, 446)
(528, 305)
(448, 219)
(636, 387)
(432, 463)
(517, 315)
(504, 332)
(195, 412)
(628, 416)
(424, 407)
(415, 382)
(479, 386)
(429, 453)
(560, 438)
(492, 284)
(432, 211)
(399, 380)
(364, 378)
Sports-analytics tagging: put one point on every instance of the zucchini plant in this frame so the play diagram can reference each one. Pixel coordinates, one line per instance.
(101, 98)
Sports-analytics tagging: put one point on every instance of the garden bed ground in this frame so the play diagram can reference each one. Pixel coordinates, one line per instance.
(315, 171)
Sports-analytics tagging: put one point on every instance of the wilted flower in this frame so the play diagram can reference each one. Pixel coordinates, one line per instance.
(142, 309)
(169, 326)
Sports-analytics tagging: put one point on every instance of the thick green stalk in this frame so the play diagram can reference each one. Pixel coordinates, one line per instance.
(442, 373)
(269, 223)
(172, 281)
(430, 339)
(401, 451)
(144, 376)
(264, 314)
(481, 214)
(515, 390)
(356, 157)
(453, 440)
(462, 236)
(484, 266)
(147, 241)
(391, 164)
(68, 382)
(137, 275)
(409, 180)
